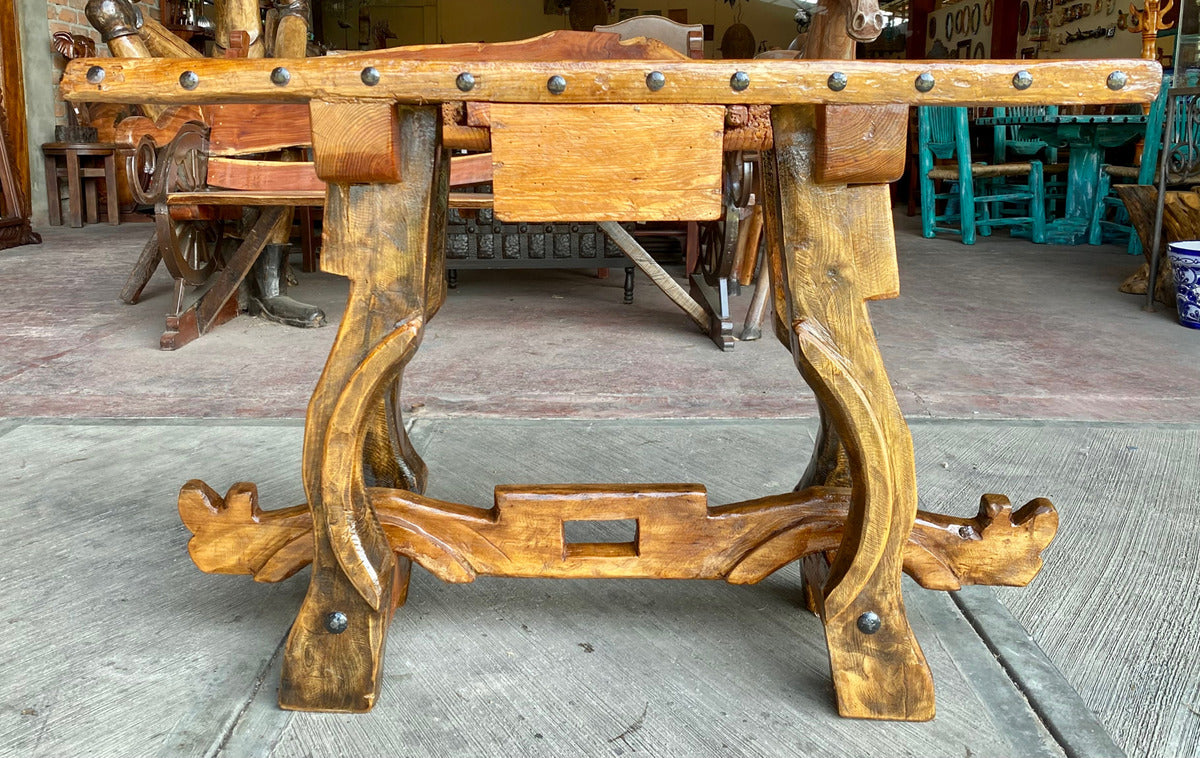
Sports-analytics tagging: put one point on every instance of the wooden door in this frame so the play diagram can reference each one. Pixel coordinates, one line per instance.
(12, 99)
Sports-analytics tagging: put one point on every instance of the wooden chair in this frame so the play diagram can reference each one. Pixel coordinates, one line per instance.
(194, 213)
(1010, 143)
(943, 135)
(1110, 220)
(685, 38)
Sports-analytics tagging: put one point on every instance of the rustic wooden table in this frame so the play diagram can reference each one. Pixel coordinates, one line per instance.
(558, 132)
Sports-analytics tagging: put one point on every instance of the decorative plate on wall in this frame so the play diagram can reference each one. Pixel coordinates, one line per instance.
(949, 26)
(960, 21)
(933, 28)
(976, 14)
(1023, 18)
(979, 54)
(988, 7)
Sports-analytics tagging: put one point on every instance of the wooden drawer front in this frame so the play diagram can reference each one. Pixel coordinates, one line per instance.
(571, 163)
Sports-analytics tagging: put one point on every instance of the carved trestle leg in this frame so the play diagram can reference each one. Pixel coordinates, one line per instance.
(828, 467)
(387, 239)
(831, 249)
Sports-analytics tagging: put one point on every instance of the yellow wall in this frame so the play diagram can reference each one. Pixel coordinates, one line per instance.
(500, 20)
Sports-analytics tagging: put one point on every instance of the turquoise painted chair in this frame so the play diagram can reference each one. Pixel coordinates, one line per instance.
(1009, 143)
(973, 200)
(1110, 221)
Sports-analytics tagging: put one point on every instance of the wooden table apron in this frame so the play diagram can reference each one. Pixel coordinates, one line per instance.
(1087, 137)
(831, 249)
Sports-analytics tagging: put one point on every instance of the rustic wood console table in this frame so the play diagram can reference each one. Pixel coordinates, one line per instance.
(377, 139)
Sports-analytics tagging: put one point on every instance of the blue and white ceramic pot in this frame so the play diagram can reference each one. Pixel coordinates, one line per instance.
(1185, 263)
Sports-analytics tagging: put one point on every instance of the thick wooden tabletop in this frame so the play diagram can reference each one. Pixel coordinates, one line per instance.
(374, 77)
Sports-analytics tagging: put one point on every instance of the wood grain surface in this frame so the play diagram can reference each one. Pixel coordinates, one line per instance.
(387, 239)
(162, 43)
(312, 198)
(678, 535)
(156, 81)
(546, 167)
(256, 128)
(128, 131)
(355, 142)
(272, 176)
(822, 278)
(861, 145)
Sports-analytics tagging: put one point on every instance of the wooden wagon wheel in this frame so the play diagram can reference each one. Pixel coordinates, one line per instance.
(189, 246)
(145, 181)
(718, 239)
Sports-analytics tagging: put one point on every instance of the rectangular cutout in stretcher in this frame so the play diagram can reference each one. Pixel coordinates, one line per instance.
(607, 162)
(600, 539)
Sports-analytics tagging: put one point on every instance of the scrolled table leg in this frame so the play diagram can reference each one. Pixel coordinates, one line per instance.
(832, 249)
(387, 239)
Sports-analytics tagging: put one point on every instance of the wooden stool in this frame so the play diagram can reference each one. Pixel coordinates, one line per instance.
(81, 180)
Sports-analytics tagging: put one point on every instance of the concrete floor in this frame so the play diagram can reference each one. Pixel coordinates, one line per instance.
(1001, 330)
(1022, 370)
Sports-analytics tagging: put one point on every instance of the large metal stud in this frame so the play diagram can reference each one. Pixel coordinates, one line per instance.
(1117, 80)
(556, 84)
(336, 622)
(924, 82)
(655, 80)
(739, 81)
(95, 75)
(1022, 79)
(370, 76)
(837, 81)
(869, 622)
(280, 75)
(465, 81)
(189, 80)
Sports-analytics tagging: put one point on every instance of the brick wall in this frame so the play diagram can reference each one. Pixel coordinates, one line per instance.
(68, 15)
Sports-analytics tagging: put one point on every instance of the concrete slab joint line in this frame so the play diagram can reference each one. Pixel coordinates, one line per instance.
(268, 675)
(1050, 695)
